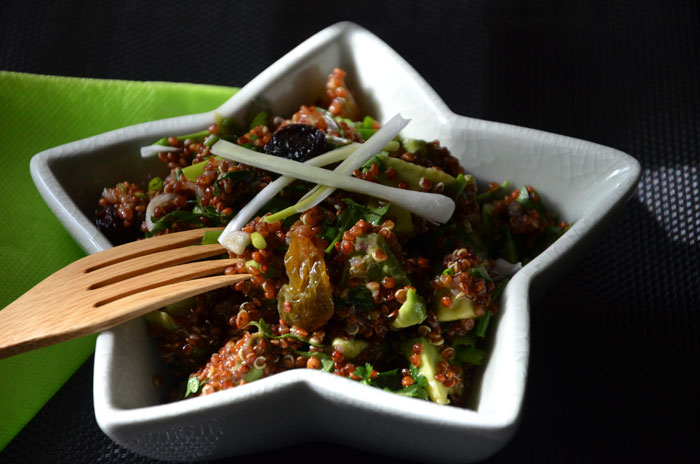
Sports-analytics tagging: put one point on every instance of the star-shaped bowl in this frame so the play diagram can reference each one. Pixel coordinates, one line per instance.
(585, 182)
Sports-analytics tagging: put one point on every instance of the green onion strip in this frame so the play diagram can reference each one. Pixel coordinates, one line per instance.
(431, 206)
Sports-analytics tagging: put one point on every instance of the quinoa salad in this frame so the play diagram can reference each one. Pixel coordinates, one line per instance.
(356, 282)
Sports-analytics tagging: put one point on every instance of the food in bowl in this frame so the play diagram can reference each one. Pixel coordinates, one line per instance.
(384, 294)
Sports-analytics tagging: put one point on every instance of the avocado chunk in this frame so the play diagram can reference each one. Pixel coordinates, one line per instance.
(411, 312)
(254, 374)
(429, 360)
(412, 173)
(373, 260)
(461, 308)
(403, 222)
(350, 348)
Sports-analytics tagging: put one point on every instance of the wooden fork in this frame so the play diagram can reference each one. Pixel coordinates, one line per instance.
(108, 288)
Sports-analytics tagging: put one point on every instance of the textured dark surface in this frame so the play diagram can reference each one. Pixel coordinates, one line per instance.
(615, 354)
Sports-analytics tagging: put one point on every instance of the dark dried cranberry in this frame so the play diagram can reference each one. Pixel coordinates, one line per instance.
(108, 221)
(298, 142)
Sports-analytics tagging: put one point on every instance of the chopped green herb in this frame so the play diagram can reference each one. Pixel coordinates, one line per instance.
(208, 217)
(480, 271)
(483, 325)
(492, 194)
(364, 373)
(327, 365)
(265, 330)
(260, 119)
(470, 354)
(352, 213)
(181, 138)
(359, 297)
(194, 385)
(155, 184)
(368, 122)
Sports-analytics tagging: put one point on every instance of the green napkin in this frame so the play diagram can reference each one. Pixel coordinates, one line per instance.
(40, 112)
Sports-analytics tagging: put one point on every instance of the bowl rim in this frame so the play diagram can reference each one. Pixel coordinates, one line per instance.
(111, 416)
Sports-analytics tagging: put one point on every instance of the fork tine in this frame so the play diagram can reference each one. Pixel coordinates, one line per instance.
(138, 304)
(144, 247)
(144, 264)
(142, 282)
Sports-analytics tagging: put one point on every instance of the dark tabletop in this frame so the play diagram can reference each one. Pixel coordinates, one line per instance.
(615, 358)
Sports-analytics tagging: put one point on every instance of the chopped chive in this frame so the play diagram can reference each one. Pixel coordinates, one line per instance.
(471, 354)
(492, 194)
(366, 133)
(258, 240)
(500, 286)
(211, 140)
(260, 119)
(458, 185)
(182, 138)
(483, 324)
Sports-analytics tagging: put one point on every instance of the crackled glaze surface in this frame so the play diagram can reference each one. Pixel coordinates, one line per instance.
(586, 182)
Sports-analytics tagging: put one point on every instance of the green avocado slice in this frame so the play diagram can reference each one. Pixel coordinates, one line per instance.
(411, 312)
(461, 308)
(429, 359)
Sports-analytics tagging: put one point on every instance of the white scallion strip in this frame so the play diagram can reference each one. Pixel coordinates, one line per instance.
(245, 214)
(235, 241)
(431, 206)
(368, 149)
(152, 150)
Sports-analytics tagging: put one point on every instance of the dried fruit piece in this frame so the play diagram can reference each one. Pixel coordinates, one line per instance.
(298, 142)
(307, 300)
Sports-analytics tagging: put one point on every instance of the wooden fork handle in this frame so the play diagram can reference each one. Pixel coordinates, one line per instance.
(38, 319)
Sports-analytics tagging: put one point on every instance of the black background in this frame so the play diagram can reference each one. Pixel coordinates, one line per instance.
(615, 353)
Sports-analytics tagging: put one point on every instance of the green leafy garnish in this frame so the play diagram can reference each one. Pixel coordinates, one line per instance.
(417, 389)
(470, 354)
(458, 185)
(376, 159)
(352, 213)
(327, 365)
(359, 296)
(265, 329)
(194, 385)
(364, 373)
(155, 184)
(245, 176)
(492, 194)
(480, 271)
(483, 325)
(181, 138)
(260, 119)
(196, 218)
(496, 294)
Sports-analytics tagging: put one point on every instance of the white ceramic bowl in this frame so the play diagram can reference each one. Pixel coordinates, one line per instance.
(585, 182)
